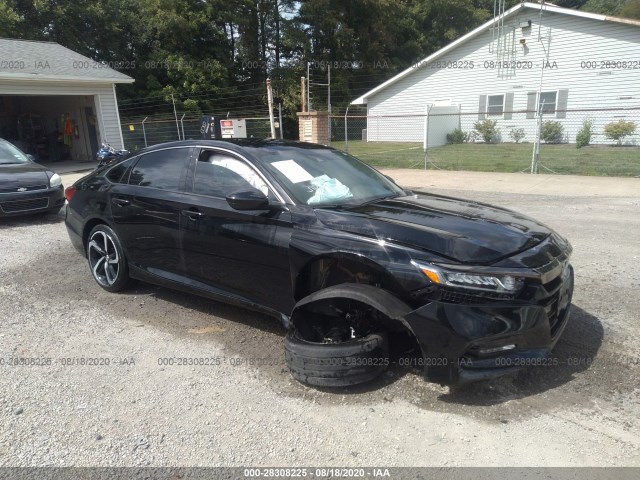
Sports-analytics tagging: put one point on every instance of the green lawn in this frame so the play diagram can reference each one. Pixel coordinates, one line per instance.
(504, 157)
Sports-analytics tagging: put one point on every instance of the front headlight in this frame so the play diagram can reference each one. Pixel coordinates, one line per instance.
(55, 181)
(472, 281)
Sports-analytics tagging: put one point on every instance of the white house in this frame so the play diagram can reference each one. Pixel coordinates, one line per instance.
(46, 88)
(571, 64)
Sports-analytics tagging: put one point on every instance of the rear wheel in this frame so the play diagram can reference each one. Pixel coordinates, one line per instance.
(106, 259)
(343, 349)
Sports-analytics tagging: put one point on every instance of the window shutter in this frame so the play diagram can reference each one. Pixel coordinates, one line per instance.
(561, 104)
(531, 104)
(482, 107)
(508, 106)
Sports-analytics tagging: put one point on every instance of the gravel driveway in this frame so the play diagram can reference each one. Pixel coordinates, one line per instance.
(102, 384)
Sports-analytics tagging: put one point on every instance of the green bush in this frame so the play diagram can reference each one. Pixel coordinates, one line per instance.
(457, 136)
(488, 130)
(618, 130)
(552, 132)
(583, 137)
(517, 134)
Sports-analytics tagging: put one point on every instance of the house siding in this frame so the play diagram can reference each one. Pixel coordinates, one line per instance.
(570, 41)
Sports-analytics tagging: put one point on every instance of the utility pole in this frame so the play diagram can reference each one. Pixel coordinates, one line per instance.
(329, 101)
(329, 89)
(308, 88)
(175, 114)
(303, 95)
(535, 159)
(280, 120)
(270, 100)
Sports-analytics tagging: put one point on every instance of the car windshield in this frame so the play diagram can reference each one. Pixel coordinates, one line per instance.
(322, 177)
(10, 154)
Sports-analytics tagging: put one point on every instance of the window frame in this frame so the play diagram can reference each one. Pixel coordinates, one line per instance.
(124, 178)
(501, 114)
(181, 182)
(235, 155)
(555, 104)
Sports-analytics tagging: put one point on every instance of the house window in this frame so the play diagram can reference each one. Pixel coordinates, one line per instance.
(495, 105)
(547, 102)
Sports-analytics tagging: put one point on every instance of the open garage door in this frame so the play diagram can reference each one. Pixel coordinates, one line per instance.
(51, 128)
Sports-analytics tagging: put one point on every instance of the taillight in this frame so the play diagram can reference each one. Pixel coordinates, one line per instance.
(68, 192)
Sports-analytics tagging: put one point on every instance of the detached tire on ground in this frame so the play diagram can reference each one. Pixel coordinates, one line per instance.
(336, 364)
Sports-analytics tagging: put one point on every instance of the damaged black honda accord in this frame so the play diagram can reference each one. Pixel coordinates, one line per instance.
(339, 253)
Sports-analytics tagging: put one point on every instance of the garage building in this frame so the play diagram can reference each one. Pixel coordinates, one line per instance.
(55, 103)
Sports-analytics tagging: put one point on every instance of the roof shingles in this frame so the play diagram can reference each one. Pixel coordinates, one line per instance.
(23, 59)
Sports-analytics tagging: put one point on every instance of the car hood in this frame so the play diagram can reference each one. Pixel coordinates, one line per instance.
(15, 176)
(459, 230)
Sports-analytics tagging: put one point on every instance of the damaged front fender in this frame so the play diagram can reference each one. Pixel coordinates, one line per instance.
(383, 301)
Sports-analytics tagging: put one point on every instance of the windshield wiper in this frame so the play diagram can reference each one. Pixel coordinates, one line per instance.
(377, 199)
(347, 205)
(336, 206)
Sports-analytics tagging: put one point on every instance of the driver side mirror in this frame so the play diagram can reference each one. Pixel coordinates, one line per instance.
(248, 200)
(31, 157)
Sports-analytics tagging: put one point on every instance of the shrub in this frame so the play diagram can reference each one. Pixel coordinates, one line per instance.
(457, 136)
(517, 134)
(618, 130)
(471, 137)
(488, 130)
(583, 137)
(552, 132)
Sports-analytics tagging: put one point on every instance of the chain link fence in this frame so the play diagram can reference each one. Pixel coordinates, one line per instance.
(139, 132)
(582, 142)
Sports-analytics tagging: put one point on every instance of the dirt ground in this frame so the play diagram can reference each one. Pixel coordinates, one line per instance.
(131, 407)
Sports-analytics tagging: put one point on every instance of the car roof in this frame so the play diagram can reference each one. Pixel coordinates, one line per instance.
(237, 145)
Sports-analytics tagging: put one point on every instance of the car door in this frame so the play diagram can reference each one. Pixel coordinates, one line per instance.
(244, 253)
(146, 210)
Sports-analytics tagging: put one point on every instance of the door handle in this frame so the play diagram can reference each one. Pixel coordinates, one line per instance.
(192, 214)
(121, 202)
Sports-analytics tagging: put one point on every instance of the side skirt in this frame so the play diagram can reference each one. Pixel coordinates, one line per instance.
(194, 287)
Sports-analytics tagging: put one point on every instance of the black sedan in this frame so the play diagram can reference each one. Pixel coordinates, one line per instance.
(25, 186)
(344, 257)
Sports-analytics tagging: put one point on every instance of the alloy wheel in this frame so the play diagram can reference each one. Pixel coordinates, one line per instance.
(103, 258)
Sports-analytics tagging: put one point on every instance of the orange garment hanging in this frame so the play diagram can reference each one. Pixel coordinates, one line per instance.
(68, 130)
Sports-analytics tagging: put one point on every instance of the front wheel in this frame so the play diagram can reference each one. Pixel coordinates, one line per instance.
(106, 259)
(342, 364)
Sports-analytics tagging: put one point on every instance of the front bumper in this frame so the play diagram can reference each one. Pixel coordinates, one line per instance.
(462, 343)
(31, 202)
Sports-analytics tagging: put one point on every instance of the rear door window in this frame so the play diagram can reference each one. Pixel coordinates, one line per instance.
(163, 169)
(120, 172)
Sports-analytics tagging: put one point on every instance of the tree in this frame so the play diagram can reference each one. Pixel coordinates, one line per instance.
(9, 20)
(631, 9)
(607, 7)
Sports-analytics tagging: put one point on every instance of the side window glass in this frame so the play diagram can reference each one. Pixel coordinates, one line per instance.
(117, 173)
(162, 169)
(219, 175)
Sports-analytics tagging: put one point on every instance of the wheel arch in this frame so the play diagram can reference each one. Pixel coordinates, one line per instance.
(394, 309)
(90, 225)
(327, 270)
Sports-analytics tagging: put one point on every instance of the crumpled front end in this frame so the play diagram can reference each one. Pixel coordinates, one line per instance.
(466, 337)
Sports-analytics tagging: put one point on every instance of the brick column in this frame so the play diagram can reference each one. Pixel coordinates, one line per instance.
(314, 127)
